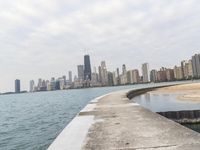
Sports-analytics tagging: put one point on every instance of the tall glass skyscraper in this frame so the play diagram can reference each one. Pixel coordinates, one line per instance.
(87, 68)
(17, 86)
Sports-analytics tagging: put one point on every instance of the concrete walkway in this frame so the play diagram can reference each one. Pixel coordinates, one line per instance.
(120, 124)
(126, 125)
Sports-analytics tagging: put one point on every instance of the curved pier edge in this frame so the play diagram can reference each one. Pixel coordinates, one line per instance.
(113, 122)
(73, 135)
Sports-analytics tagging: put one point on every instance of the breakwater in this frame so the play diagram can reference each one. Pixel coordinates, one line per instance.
(183, 117)
(117, 123)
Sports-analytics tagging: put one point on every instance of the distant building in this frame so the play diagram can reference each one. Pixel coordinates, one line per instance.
(153, 76)
(161, 75)
(190, 69)
(183, 68)
(178, 75)
(196, 65)
(145, 72)
(32, 86)
(17, 86)
(103, 74)
(94, 80)
(70, 77)
(48, 85)
(136, 76)
(80, 69)
(187, 69)
(87, 68)
(61, 83)
(65, 79)
(123, 69)
(117, 77)
(110, 79)
(123, 79)
(57, 85)
(52, 84)
(129, 75)
(170, 74)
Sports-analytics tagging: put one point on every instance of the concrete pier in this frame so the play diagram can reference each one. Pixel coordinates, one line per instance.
(113, 122)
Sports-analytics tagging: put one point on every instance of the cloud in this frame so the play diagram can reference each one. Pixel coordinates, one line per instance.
(44, 38)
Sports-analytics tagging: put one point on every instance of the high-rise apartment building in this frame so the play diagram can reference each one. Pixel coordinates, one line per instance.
(87, 68)
(110, 79)
(80, 72)
(145, 72)
(32, 86)
(65, 79)
(70, 77)
(170, 74)
(190, 69)
(136, 76)
(104, 74)
(196, 65)
(161, 75)
(129, 76)
(153, 76)
(17, 86)
(178, 75)
(183, 64)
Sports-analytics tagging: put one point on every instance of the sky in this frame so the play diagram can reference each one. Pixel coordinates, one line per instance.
(47, 38)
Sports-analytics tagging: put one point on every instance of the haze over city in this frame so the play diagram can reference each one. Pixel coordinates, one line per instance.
(47, 38)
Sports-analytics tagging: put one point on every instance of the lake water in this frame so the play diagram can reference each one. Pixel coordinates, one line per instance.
(31, 121)
(162, 102)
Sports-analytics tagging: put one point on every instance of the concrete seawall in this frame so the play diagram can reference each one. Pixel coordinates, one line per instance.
(112, 122)
(186, 116)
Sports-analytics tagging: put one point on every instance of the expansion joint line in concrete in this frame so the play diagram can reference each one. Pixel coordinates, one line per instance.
(144, 148)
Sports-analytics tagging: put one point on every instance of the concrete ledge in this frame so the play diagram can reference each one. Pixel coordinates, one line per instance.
(116, 123)
(72, 137)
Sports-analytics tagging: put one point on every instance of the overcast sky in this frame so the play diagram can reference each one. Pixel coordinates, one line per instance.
(47, 38)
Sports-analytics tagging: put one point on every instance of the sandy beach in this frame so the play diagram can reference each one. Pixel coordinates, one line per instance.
(188, 92)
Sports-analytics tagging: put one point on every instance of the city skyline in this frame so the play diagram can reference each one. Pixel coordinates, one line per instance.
(44, 39)
(186, 70)
(143, 74)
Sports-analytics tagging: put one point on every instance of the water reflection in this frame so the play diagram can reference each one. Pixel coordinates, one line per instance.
(161, 102)
(148, 97)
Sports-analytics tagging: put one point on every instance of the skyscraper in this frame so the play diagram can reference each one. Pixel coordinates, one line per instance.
(145, 72)
(196, 65)
(70, 77)
(32, 86)
(80, 72)
(104, 74)
(87, 68)
(118, 79)
(17, 86)
(153, 76)
(123, 69)
(136, 76)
